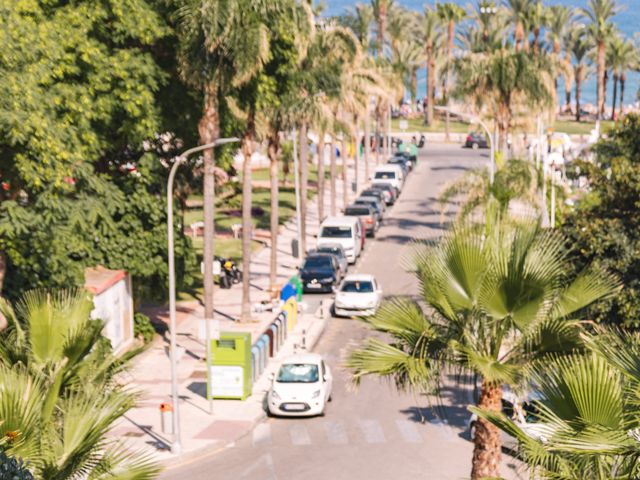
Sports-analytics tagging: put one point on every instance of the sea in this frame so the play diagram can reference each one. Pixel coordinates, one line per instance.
(627, 22)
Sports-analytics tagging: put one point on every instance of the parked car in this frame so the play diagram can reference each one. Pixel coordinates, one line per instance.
(347, 231)
(372, 192)
(336, 250)
(402, 163)
(302, 387)
(367, 214)
(359, 295)
(374, 202)
(403, 157)
(392, 193)
(476, 140)
(391, 174)
(320, 273)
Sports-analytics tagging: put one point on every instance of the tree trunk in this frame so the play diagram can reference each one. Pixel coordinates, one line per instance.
(3, 269)
(519, 34)
(623, 80)
(487, 444)
(600, 83)
(304, 179)
(414, 85)
(209, 131)
(345, 189)
(247, 225)
(431, 84)
(321, 177)
(367, 143)
(382, 25)
(604, 93)
(578, 92)
(356, 171)
(274, 153)
(377, 136)
(333, 174)
(615, 96)
(450, 38)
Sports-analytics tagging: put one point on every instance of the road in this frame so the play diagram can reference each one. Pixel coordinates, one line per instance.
(372, 432)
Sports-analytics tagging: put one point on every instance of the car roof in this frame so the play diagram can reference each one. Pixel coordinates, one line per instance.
(330, 245)
(359, 277)
(320, 254)
(303, 358)
(367, 198)
(338, 221)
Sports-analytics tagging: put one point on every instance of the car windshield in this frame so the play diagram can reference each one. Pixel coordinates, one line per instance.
(298, 373)
(317, 262)
(332, 250)
(336, 232)
(356, 211)
(357, 287)
(385, 175)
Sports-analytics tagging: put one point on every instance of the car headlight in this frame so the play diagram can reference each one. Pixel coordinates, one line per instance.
(315, 394)
(275, 395)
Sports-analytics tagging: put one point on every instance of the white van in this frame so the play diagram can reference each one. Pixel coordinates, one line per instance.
(391, 174)
(347, 231)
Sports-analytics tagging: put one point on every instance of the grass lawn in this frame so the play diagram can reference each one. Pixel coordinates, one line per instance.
(572, 127)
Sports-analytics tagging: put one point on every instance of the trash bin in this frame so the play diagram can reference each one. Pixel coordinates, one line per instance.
(166, 418)
(295, 281)
(295, 248)
(230, 372)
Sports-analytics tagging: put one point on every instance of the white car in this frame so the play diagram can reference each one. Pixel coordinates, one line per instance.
(301, 388)
(358, 295)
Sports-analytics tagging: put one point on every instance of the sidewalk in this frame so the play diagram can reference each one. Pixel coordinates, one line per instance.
(203, 433)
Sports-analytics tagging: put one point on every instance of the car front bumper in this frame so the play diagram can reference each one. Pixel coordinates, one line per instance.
(354, 312)
(296, 408)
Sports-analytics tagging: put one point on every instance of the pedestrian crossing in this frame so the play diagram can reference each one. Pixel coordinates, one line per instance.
(299, 433)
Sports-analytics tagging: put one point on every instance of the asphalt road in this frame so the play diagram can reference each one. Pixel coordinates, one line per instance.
(372, 432)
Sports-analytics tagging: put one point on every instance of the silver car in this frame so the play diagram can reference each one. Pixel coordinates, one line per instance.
(337, 251)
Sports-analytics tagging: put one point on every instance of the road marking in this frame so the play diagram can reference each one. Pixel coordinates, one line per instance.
(443, 429)
(409, 431)
(299, 435)
(336, 433)
(262, 435)
(372, 431)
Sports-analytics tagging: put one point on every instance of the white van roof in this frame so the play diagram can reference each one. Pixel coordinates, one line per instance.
(341, 221)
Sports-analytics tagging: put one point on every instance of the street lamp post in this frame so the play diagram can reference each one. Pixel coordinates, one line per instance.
(477, 120)
(176, 445)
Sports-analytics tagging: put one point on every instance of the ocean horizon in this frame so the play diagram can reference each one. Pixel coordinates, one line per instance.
(627, 21)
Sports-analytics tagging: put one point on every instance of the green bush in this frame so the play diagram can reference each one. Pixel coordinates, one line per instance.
(143, 328)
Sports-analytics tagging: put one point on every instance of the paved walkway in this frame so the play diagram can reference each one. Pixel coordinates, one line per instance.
(202, 432)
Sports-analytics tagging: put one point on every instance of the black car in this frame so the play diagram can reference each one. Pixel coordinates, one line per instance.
(374, 202)
(392, 192)
(403, 163)
(476, 140)
(374, 192)
(320, 273)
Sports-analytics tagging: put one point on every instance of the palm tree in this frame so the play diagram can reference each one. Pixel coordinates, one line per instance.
(587, 412)
(449, 14)
(600, 29)
(622, 55)
(501, 80)
(559, 22)
(578, 46)
(488, 32)
(497, 298)
(380, 10)
(428, 33)
(58, 397)
(537, 18)
(515, 180)
(517, 12)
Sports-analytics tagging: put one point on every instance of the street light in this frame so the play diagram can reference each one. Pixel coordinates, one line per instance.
(477, 120)
(176, 445)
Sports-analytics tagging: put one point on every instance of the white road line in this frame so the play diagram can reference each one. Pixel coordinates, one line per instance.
(262, 435)
(336, 433)
(372, 431)
(299, 435)
(409, 431)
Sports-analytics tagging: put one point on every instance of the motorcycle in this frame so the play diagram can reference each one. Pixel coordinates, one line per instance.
(230, 269)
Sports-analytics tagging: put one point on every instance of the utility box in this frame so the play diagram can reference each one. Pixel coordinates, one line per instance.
(230, 375)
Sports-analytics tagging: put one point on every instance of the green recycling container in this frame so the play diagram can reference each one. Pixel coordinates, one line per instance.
(230, 369)
(295, 281)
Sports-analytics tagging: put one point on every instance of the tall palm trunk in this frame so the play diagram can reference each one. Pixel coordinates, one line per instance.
(304, 179)
(431, 83)
(623, 80)
(567, 83)
(321, 177)
(615, 96)
(356, 171)
(519, 35)
(578, 93)
(487, 444)
(345, 189)
(274, 153)
(600, 74)
(382, 25)
(3, 268)
(367, 143)
(450, 37)
(209, 131)
(414, 85)
(247, 225)
(333, 176)
(536, 41)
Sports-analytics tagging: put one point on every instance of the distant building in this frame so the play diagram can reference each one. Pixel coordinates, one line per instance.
(113, 303)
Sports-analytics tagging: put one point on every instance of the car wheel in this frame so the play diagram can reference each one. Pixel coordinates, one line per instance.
(475, 145)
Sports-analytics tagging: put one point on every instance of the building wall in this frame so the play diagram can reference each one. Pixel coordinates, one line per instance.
(115, 307)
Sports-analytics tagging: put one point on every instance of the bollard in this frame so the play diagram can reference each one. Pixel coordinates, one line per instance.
(166, 418)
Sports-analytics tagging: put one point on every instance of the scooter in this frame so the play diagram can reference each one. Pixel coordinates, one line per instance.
(230, 269)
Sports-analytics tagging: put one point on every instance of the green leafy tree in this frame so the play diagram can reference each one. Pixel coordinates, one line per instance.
(605, 224)
(496, 300)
